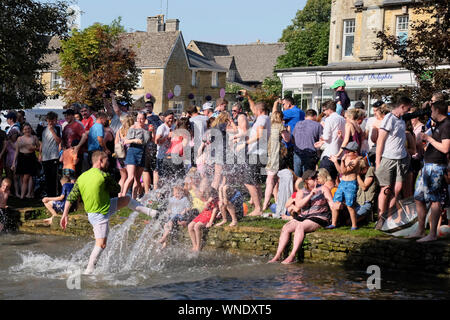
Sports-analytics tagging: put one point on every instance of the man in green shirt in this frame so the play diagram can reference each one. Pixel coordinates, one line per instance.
(95, 187)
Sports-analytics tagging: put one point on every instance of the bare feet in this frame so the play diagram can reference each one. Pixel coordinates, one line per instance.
(233, 224)
(416, 235)
(220, 223)
(48, 221)
(288, 260)
(428, 238)
(255, 213)
(274, 260)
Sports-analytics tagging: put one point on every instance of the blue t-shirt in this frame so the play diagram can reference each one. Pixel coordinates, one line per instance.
(66, 189)
(292, 116)
(95, 131)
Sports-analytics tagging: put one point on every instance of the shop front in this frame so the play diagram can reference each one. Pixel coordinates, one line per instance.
(313, 83)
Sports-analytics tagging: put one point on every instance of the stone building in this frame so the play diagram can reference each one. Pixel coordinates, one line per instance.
(247, 64)
(353, 29)
(174, 76)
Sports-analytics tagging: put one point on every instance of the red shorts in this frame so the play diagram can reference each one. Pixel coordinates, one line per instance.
(203, 217)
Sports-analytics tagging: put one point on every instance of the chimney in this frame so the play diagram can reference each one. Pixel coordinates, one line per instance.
(172, 25)
(155, 24)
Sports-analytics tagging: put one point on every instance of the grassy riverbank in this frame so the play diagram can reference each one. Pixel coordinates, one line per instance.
(40, 212)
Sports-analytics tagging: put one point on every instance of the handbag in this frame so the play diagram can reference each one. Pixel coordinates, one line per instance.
(119, 150)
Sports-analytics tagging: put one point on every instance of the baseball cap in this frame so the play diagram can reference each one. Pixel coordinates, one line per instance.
(69, 111)
(337, 84)
(308, 174)
(351, 146)
(207, 105)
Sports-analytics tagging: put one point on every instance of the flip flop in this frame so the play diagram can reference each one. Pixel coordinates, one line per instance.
(354, 228)
(331, 226)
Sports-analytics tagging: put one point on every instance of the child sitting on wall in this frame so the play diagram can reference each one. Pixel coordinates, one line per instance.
(56, 204)
(204, 220)
(4, 194)
(177, 209)
(231, 203)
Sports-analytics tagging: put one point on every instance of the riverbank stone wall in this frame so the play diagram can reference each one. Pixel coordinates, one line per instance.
(323, 246)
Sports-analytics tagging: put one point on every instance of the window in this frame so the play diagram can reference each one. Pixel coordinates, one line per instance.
(214, 79)
(57, 81)
(178, 107)
(402, 28)
(140, 83)
(194, 78)
(349, 38)
(231, 75)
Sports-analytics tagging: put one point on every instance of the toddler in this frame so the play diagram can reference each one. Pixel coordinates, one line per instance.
(177, 208)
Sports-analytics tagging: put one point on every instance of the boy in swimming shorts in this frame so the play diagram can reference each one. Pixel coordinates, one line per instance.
(95, 188)
(348, 187)
(56, 204)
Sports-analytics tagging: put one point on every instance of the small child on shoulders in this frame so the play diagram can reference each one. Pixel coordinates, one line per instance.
(348, 186)
(4, 194)
(56, 204)
(177, 208)
(204, 219)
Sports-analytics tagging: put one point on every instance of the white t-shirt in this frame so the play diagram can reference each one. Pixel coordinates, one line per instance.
(395, 145)
(163, 131)
(333, 142)
(260, 147)
(50, 149)
(176, 206)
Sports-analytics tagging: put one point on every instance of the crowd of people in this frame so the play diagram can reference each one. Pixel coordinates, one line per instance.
(339, 167)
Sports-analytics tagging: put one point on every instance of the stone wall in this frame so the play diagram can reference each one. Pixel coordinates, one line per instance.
(325, 246)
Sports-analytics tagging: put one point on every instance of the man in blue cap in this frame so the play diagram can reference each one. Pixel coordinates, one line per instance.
(342, 100)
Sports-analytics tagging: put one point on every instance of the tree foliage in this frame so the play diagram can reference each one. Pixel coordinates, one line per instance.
(308, 36)
(95, 60)
(425, 49)
(25, 29)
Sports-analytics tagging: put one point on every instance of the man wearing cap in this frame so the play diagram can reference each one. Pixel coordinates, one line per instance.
(342, 100)
(207, 109)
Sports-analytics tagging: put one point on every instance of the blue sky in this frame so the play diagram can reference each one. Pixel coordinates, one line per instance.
(227, 22)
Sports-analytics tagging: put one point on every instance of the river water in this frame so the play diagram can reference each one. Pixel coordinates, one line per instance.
(47, 267)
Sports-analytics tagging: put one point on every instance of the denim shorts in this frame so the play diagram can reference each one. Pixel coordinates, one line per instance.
(346, 192)
(364, 209)
(135, 156)
(431, 185)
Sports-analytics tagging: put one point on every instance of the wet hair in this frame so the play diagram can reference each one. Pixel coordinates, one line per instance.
(184, 123)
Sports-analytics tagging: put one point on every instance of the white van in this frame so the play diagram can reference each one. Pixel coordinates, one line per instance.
(32, 116)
